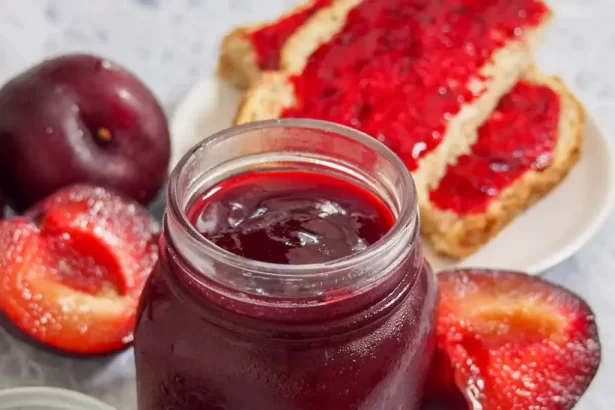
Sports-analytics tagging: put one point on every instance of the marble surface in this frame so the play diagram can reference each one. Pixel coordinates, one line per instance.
(171, 43)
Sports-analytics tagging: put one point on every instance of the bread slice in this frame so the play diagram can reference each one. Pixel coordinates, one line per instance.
(273, 92)
(457, 236)
(239, 59)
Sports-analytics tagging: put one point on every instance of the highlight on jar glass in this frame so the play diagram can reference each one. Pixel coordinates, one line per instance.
(290, 276)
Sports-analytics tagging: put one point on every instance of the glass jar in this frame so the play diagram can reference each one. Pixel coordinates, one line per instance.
(217, 331)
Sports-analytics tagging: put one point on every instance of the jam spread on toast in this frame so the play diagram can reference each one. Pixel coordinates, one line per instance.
(268, 40)
(519, 136)
(399, 70)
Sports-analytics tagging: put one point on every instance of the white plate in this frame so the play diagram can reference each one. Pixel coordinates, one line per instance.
(543, 236)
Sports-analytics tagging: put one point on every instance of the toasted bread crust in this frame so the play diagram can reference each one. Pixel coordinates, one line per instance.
(458, 236)
(238, 62)
(267, 99)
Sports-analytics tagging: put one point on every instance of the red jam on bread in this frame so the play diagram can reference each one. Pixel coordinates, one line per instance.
(399, 69)
(268, 40)
(519, 136)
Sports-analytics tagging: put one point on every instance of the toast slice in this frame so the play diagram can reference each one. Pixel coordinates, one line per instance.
(247, 51)
(430, 124)
(522, 152)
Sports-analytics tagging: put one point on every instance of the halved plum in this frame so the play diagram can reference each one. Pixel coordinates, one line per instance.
(509, 341)
(72, 271)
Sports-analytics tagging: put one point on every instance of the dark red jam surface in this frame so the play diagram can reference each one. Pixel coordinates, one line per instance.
(399, 69)
(268, 40)
(519, 136)
(291, 217)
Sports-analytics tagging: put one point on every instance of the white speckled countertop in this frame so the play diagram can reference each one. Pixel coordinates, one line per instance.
(171, 43)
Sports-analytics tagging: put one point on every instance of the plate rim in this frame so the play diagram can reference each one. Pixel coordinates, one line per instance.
(602, 214)
(188, 108)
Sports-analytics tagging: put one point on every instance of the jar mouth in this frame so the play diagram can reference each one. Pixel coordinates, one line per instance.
(406, 215)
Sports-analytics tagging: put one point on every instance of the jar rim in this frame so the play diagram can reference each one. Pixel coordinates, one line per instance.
(407, 215)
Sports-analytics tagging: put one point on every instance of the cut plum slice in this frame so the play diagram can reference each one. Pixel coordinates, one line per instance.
(509, 341)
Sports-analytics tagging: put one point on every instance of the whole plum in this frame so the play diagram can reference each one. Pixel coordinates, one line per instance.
(80, 119)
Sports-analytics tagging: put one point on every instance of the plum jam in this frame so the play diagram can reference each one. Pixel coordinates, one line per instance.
(294, 217)
(290, 277)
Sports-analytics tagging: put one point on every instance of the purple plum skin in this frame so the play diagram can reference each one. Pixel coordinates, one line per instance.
(80, 119)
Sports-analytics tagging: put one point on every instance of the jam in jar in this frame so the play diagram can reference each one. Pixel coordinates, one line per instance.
(291, 277)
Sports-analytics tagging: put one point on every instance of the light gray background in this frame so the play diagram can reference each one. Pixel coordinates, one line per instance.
(171, 43)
